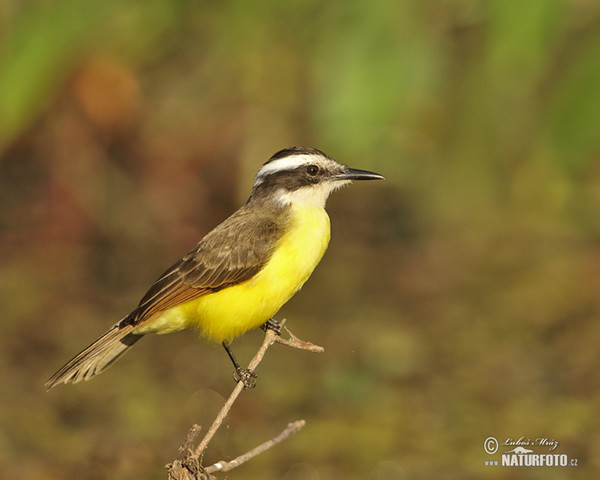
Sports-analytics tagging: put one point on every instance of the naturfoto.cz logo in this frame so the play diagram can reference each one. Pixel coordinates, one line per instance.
(522, 453)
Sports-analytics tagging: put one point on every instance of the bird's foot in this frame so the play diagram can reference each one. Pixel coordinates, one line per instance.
(246, 376)
(272, 324)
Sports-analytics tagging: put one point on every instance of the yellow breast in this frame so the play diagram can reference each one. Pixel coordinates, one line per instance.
(226, 314)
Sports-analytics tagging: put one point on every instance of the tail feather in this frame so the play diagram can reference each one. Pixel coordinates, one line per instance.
(97, 357)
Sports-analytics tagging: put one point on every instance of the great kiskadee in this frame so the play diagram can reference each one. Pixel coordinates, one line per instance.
(242, 272)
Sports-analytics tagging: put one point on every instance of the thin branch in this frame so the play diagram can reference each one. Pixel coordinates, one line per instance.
(223, 466)
(190, 467)
(270, 335)
(193, 433)
(295, 342)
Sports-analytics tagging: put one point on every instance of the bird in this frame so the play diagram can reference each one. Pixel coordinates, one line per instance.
(242, 272)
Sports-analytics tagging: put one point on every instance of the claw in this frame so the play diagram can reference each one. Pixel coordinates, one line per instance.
(247, 377)
(272, 324)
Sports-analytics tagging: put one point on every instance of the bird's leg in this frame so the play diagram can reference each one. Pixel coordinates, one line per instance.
(272, 324)
(248, 377)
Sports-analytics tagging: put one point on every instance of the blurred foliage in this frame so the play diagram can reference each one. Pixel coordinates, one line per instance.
(458, 300)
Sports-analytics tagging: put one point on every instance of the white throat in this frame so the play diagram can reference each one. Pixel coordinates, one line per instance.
(310, 196)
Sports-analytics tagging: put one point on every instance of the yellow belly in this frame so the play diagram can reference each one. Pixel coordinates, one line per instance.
(226, 314)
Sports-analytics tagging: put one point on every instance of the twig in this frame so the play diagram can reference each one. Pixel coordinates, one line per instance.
(191, 437)
(295, 342)
(190, 468)
(267, 342)
(223, 466)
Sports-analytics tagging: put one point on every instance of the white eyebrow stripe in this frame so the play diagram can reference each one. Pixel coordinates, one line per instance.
(286, 163)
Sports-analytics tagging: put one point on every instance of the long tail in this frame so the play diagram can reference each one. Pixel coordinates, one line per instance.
(97, 357)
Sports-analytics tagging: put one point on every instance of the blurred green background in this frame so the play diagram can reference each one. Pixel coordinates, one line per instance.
(458, 299)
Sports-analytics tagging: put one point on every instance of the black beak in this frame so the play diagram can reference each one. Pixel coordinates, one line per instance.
(356, 174)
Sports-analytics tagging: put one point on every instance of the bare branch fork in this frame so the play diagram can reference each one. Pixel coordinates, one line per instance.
(190, 468)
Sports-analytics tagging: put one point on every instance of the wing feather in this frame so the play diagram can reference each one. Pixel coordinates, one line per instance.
(233, 252)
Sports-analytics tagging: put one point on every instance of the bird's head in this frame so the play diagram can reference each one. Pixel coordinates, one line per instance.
(304, 176)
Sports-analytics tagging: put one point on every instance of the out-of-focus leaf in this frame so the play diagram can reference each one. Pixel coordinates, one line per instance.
(372, 77)
(41, 50)
(520, 37)
(574, 116)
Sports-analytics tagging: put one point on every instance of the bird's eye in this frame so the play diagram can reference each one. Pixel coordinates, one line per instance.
(312, 170)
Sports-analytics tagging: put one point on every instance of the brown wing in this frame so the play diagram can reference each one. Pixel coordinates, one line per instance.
(231, 253)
